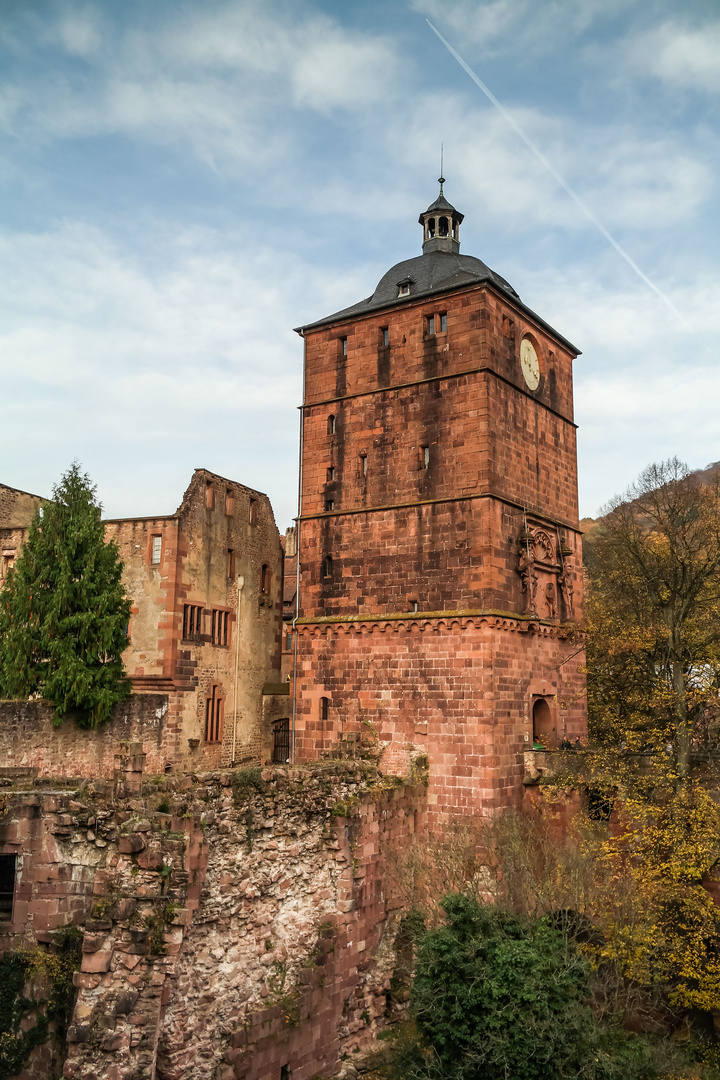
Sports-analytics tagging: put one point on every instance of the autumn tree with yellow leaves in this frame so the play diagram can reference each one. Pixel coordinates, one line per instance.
(653, 648)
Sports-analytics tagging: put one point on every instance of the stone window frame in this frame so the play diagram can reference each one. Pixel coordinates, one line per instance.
(220, 627)
(155, 547)
(192, 622)
(214, 715)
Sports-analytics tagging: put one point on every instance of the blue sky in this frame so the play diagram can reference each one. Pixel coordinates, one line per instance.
(181, 183)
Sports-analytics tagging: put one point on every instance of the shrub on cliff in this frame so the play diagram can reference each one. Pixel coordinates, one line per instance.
(63, 611)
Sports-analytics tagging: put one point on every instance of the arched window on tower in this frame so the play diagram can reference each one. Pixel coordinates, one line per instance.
(265, 579)
(327, 567)
(544, 735)
(443, 229)
(431, 228)
(331, 424)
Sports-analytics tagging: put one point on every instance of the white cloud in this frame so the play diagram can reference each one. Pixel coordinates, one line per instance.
(682, 56)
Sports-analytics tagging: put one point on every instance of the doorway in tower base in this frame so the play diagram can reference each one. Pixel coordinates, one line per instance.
(544, 726)
(281, 742)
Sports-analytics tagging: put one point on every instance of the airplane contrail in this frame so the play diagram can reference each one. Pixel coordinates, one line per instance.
(553, 171)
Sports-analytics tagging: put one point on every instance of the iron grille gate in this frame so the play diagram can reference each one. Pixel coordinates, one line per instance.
(281, 741)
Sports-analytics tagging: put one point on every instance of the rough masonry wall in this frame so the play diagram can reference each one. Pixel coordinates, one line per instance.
(235, 923)
(29, 741)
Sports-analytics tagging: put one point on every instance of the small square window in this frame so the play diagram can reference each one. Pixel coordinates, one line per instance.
(156, 551)
(329, 504)
(443, 324)
(430, 325)
(404, 288)
(330, 474)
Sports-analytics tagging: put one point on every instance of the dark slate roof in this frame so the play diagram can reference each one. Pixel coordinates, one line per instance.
(441, 205)
(435, 271)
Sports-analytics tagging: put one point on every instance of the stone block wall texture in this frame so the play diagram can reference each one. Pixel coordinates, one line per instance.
(235, 926)
(440, 552)
(29, 741)
(458, 691)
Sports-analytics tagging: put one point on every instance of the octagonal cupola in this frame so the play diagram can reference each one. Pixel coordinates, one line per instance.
(441, 225)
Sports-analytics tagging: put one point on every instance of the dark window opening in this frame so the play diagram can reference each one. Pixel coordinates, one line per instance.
(443, 227)
(327, 567)
(343, 346)
(324, 707)
(220, 623)
(253, 511)
(331, 424)
(384, 337)
(288, 642)
(425, 456)
(192, 622)
(209, 495)
(330, 474)
(543, 726)
(431, 228)
(265, 579)
(214, 717)
(443, 324)
(7, 886)
(281, 742)
(600, 805)
(329, 504)
(284, 1072)
(230, 563)
(430, 325)
(363, 464)
(413, 605)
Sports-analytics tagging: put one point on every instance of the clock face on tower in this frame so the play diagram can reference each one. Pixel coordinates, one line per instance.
(529, 364)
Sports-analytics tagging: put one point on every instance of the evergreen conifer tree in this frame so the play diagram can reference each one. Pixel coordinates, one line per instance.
(63, 612)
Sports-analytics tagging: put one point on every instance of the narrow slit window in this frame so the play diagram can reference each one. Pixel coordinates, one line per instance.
(288, 642)
(7, 886)
(384, 337)
(363, 464)
(431, 228)
(324, 708)
(443, 324)
(327, 567)
(230, 563)
(331, 424)
(265, 579)
(229, 503)
(343, 346)
(253, 511)
(156, 551)
(214, 716)
(220, 623)
(430, 325)
(192, 622)
(331, 474)
(425, 456)
(209, 495)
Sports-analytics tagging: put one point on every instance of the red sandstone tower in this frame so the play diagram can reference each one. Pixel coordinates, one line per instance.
(440, 555)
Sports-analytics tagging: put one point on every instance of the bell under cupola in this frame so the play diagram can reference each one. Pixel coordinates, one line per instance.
(441, 225)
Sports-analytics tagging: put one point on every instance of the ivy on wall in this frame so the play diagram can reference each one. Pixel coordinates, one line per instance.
(36, 982)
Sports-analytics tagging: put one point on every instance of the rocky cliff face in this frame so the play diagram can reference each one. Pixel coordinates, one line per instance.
(236, 924)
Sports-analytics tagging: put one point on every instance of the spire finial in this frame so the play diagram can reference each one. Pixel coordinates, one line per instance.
(441, 178)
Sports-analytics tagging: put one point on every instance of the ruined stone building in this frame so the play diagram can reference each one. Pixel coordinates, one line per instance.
(16, 512)
(205, 633)
(440, 558)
